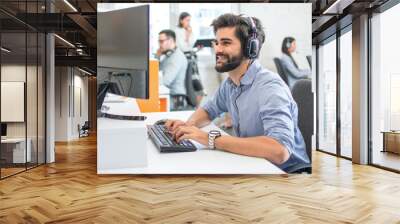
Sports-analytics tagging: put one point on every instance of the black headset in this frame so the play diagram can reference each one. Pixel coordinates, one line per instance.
(169, 52)
(252, 48)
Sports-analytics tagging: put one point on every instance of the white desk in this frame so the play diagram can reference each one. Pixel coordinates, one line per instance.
(18, 151)
(202, 161)
(120, 144)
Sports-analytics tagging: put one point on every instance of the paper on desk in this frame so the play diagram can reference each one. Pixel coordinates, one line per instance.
(113, 98)
(120, 105)
(198, 145)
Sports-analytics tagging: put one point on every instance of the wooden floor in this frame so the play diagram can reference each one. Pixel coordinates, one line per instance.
(70, 191)
(5, 172)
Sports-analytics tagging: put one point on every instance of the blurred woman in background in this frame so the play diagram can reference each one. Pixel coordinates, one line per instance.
(184, 33)
(294, 73)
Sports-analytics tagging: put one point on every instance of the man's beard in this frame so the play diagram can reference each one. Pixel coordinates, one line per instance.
(232, 62)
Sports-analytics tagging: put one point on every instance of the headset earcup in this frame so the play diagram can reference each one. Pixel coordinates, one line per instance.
(169, 53)
(253, 48)
(288, 44)
(252, 45)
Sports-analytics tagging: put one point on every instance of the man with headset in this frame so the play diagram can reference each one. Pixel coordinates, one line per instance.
(263, 111)
(173, 63)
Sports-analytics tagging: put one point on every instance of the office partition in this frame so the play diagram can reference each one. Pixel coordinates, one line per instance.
(334, 93)
(327, 79)
(22, 77)
(345, 64)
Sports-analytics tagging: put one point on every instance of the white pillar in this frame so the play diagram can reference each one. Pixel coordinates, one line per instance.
(50, 99)
(360, 90)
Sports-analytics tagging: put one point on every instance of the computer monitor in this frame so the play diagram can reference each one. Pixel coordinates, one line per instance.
(123, 52)
(3, 129)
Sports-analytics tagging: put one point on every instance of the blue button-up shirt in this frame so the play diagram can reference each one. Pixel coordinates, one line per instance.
(174, 72)
(262, 105)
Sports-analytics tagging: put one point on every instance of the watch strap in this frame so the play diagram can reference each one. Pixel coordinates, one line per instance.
(212, 135)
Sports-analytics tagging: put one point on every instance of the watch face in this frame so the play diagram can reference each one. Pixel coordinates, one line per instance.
(215, 132)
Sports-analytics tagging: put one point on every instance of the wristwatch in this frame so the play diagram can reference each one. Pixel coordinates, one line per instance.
(212, 135)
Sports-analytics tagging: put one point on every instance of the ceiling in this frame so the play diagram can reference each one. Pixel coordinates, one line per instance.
(76, 22)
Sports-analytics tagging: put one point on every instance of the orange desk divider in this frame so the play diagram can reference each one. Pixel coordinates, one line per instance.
(152, 104)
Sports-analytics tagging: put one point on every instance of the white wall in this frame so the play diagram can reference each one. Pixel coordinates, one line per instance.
(61, 103)
(81, 84)
(280, 21)
(69, 82)
(16, 72)
(33, 125)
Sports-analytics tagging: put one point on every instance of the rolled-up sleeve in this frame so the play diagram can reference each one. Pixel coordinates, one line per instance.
(275, 112)
(217, 104)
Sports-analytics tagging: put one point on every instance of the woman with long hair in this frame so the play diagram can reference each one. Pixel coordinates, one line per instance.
(185, 41)
(184, 33)
(289, 64)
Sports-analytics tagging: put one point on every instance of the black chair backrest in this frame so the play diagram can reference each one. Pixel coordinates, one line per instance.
(86, 125)
(280, 70)
(309, 60)
(190, 93)
(302, 94)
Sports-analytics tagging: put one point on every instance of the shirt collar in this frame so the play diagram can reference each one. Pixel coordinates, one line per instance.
(250, 75)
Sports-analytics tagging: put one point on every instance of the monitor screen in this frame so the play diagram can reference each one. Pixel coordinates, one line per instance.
(123, 52)
(3, 129)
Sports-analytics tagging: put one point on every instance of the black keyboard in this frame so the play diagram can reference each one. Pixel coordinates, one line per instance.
(164, 141)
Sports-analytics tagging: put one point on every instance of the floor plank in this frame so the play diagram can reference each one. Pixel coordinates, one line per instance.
(70, 191)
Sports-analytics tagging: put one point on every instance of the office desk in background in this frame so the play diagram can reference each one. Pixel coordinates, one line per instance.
(13, 150)
(391, 141)
(202, 161)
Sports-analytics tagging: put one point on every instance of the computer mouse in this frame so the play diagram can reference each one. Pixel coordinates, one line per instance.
(160, 122)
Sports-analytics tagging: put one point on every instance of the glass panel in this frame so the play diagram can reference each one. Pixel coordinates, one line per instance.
(31, 101)
(31, 87)
(385, 84)
(13, 87)
(346, 94)
(327, 97)
(41, 99)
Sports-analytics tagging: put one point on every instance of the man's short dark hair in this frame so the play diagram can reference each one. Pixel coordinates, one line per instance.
(169, 33)
(242, 25)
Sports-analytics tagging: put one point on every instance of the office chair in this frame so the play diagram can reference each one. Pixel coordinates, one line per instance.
(84, 130)
(309, 59)
(280, 70)
(302, 94)
(190, 91)
(188, 101)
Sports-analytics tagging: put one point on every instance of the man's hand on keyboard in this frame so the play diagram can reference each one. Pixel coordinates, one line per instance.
(172, 125)
(191, 132)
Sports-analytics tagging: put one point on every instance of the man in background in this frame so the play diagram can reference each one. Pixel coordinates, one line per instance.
(173, 64)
